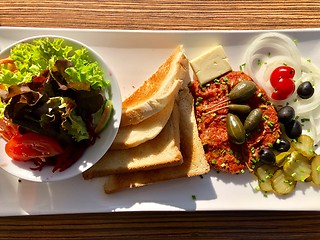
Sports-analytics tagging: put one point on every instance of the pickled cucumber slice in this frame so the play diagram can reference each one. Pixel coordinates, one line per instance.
(305, 145)
(281, 158)
(264, 174)
(281, 183)
(297, 166)
(315, 170)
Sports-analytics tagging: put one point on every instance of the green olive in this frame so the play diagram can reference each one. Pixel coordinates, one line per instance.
(239, 108)
(242, 91)
(235, 129)
(253, 119)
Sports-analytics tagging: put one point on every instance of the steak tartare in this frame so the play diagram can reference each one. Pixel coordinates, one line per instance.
(211, 109)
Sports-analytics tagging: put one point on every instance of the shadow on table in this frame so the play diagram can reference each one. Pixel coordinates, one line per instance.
(178, 194)
(79, 196)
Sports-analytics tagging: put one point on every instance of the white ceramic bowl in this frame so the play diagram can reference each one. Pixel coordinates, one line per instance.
(22, 169)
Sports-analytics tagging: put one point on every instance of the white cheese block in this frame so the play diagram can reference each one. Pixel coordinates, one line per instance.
(211, 64)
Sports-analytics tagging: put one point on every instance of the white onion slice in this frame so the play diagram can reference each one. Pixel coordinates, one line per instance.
(310, 73)
(312, 128)
(270, 50)
(267, 52)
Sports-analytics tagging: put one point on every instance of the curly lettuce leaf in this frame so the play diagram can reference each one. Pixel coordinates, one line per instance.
(83, 70)
(8, 78)
(72, 123)
(75, 126)
(32, 58)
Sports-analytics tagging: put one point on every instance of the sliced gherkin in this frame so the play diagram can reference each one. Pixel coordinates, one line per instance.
(281, 158)
(297, 167)
(305, 145)
(281, 183)
(264, 174)
(315, 170)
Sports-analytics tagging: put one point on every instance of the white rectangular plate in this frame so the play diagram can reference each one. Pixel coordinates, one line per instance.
(134, 56)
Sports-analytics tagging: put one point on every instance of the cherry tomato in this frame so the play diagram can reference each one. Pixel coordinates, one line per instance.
(284, 88)
(278, 95)
(23, 147)
(281, 72)
(281, 80)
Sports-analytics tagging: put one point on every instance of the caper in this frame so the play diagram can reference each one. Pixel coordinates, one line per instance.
(253, 119)
(242, 91)
(235, 129)
(239, 108)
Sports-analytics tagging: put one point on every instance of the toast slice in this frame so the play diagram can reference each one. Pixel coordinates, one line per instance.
(162, 151)
(194, 161)
(134, 135)
(156, 92)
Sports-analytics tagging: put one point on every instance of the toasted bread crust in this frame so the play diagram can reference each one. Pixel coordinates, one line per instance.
(145, 160)
(162, 151)
(155, 93)
(194, 161)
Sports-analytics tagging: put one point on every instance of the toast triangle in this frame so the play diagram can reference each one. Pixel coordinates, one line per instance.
(134, 135)
(162, 151)
(156, 92)
(194, 161)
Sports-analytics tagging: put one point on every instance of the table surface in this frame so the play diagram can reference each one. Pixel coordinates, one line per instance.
(164, 15)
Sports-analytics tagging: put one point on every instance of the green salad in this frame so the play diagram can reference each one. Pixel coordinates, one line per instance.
(51, 89)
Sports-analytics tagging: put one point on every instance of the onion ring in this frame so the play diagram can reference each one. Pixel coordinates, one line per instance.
(271, 50)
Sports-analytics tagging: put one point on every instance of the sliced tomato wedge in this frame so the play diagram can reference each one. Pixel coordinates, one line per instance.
(23, 147)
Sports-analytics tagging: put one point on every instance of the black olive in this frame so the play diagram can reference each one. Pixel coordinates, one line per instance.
(286, 114)
(267, 156)
(305, 90)
(293, 129)
(281, 145)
